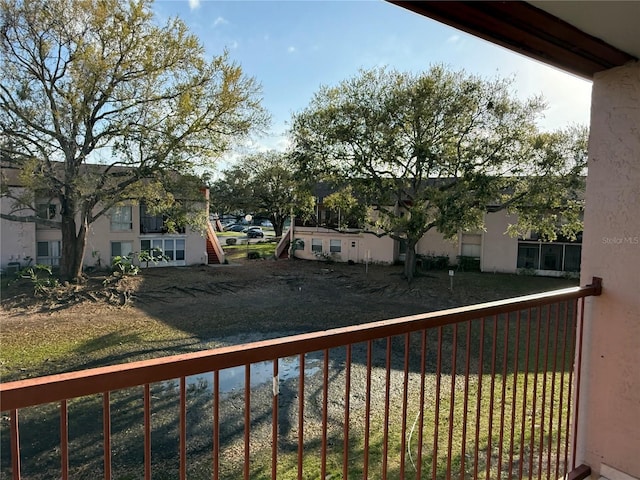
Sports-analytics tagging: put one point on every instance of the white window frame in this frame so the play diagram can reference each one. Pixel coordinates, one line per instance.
(124, 252)
(54, 253)
(169, 246)
(316, 245)
(121, 218)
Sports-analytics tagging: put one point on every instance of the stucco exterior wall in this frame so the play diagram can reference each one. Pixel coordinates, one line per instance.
(17, 240)
(433, 243)
(609, 423)
(357, 247)
(20, 239)
(499, 250)
(196, 245)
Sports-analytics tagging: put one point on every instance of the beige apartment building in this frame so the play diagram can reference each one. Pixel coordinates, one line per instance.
(492, 250)
(124, 230)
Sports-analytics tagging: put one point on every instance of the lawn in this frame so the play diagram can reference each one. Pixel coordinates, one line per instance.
(175, 309)
(255, 248)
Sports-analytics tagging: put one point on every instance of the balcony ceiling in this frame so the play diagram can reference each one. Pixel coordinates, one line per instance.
(581, 37)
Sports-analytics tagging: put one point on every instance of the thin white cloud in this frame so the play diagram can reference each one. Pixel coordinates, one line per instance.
(194, 4)
(291, 49)
(453, 39)
(219, 20)
(233, 45)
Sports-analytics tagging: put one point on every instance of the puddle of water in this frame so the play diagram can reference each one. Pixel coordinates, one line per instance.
(232, 379)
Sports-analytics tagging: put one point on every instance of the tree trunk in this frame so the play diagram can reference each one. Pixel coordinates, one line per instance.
(410, 260)
(278, 224)
(74, 242)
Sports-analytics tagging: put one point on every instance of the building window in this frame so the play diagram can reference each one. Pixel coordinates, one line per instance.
(471, 245)
(152, 223)
(572, 254)
(48, 253)
(551, 257)
(121, 249)
(316, 245)
(173, 249)
(121, 219)
(562, 257)
(335, 246)
(528, 256)
(46, 211)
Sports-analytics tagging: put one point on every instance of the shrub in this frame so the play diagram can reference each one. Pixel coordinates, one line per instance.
(468, 264)
(123, 265)
(527, 271)
(41, 278)
(434, 262)
(253, 255)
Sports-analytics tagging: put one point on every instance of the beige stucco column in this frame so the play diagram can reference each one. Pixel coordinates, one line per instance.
(609, 420)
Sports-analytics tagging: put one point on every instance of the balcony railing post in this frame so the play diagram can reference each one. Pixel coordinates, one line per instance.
(301, 415)
(347, 404)
(147, 431)
(15, 445)
(578, 369)
(274, 420)
(106, 428)
(64, 440)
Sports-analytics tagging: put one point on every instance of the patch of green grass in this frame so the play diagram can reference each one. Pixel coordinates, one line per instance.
(228, 234)
(60, 348)
(266, 249)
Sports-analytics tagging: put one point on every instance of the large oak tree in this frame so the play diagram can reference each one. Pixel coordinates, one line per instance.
(264, 183)
(99, 105)
(438, 150)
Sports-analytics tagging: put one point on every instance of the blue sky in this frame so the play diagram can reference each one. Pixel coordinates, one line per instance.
(294, 47)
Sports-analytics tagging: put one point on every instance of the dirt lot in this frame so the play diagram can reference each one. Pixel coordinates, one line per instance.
(173, 310)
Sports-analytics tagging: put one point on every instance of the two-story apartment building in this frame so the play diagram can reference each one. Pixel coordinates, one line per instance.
(125, 229)
(491, 249)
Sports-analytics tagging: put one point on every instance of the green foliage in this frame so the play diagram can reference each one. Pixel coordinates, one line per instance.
(101, 105)
(154, 256)
(434, 262)
(438, 150)
(326, 257)
(265, 183)
(41, 278)
(468, 264)
(529, 272)
(123, 266)
(239, 252)
(350, 211)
